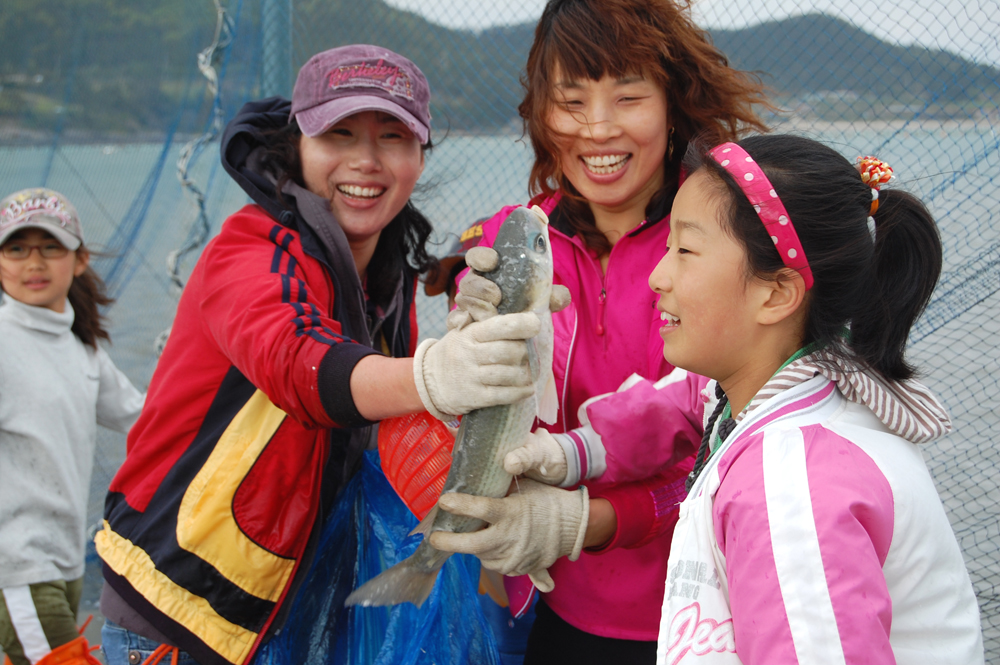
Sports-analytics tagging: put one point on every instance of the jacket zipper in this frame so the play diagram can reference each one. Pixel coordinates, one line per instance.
(603, 297)
(569, 369)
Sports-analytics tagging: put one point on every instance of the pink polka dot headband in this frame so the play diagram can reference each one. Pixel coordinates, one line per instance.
(758, 190)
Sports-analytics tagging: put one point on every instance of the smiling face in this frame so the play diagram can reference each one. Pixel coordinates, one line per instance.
(36, 280)
(718, 321)
(612, 138)
(707, 306)
(366, 165)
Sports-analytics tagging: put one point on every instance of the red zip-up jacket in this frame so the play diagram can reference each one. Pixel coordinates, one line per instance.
(243, 441)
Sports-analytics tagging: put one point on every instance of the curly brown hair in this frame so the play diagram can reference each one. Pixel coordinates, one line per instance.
(656, 38)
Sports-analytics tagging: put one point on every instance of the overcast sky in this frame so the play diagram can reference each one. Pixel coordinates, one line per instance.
(971, 28)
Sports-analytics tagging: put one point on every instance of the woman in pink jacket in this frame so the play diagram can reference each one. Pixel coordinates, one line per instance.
(813, 533)
(615, 90)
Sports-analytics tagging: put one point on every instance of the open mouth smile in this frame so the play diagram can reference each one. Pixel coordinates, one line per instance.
(605, 164)
(355, 192)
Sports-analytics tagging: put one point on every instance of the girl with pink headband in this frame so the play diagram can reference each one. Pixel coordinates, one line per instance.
(812, 531)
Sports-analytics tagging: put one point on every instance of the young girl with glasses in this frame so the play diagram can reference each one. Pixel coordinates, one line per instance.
(56, 386)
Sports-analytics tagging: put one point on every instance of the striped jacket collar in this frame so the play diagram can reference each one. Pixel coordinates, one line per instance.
(908, 408)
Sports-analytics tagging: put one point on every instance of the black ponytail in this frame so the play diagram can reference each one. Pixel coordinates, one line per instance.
(873, 288)
(906, 267)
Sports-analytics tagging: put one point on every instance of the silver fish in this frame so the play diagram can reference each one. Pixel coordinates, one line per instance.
(524, 275)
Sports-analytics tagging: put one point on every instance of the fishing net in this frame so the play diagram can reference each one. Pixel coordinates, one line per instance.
(117, 104)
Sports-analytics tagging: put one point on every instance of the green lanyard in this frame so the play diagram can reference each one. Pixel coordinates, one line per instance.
(727, 411)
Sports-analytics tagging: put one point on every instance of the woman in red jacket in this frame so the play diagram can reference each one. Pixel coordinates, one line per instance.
(293, 336)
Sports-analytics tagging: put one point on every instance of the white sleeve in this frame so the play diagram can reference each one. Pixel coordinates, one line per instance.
(118, 401)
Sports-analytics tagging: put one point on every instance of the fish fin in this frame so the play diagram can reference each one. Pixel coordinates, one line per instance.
(425, 525)
(534, 359)
(548, 402)
(403, 583)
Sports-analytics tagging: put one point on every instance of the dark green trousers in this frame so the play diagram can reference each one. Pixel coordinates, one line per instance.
(43, 614)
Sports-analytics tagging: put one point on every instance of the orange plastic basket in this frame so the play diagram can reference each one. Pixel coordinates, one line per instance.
(416, 454)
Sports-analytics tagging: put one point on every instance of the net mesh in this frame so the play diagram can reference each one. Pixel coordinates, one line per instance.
(118, 106)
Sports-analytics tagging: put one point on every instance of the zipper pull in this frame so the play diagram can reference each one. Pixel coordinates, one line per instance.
(600, 311)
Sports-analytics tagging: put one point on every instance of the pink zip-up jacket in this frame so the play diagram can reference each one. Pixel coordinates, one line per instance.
(815, 534)
(609, 332)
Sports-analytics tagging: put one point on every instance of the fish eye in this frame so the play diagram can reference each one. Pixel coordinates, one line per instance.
(539, 244)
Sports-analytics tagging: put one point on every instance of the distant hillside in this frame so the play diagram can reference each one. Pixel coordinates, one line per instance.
(809, 54)
(801, 58)
(127, 66)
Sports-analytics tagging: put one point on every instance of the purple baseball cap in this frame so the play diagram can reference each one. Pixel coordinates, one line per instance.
(337, 83)
(41, 208)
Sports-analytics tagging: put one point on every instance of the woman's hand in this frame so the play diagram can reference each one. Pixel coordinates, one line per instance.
(478, 297)
(484, 363)
(528, 529)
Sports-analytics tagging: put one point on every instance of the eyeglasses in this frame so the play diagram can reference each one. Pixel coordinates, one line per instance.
(19, 251)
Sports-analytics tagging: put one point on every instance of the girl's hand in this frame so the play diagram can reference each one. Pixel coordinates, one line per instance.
(541, 458)
(559, 459)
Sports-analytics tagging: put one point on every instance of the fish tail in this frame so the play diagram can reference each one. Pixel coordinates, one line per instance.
(410, 580)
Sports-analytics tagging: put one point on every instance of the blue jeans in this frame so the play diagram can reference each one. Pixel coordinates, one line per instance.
(123, 647)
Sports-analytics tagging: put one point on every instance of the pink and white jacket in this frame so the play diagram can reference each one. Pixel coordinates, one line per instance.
(609, 332)
(815, 534)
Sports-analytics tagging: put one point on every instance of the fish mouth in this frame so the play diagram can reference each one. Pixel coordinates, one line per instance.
(605, 164)
(358, 192)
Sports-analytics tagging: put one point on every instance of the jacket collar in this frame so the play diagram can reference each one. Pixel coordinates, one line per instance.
(907, 408)
(657, 213)
(243, 135)
(41, 319)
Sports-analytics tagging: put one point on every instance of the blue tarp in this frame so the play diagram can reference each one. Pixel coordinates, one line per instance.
(366, 534)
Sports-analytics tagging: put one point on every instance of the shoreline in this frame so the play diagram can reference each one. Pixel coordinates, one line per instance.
(891, 124)
(13, 137)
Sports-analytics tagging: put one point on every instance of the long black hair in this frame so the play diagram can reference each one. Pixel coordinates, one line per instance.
(401, 245)
(877, 288)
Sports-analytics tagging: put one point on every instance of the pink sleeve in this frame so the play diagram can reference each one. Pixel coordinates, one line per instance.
(646, 509)
(645, 430)
(805, 518)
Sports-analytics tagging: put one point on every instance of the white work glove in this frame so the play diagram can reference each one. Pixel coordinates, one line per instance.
(478, 297)
(567, 459)
(528, 530)
(484, 363)
(541, 457)
(559, 459)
